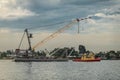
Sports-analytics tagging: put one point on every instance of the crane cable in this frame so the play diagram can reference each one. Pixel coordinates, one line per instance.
(21, 40)
(54, 34)
(58, 31)
(49, 24)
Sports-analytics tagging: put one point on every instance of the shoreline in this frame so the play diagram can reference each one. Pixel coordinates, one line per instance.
(68, 59)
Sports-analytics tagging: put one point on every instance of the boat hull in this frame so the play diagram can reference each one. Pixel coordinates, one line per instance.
(94, 60)
(39, 60)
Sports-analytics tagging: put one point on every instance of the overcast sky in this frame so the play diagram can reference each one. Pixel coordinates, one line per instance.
(101, 33)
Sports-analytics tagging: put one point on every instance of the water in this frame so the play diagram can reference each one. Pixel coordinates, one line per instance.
(104, 70)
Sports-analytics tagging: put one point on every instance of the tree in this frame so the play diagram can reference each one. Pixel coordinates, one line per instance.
(3, 54)
(111, 55)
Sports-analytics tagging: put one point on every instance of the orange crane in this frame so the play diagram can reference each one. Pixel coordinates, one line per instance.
(59, 31)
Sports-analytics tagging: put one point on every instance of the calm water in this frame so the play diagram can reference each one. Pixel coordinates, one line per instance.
(104, 70)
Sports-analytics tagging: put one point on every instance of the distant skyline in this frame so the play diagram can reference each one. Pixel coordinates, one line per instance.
(101, 33)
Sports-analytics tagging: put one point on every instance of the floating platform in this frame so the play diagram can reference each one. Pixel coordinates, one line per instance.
(39, 60)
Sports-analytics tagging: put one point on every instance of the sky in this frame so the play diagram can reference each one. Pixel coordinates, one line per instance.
(43, 17)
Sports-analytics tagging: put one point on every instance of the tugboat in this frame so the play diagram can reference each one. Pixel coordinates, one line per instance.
(86, 56)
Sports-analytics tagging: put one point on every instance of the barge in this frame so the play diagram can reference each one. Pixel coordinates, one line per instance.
(39, 60)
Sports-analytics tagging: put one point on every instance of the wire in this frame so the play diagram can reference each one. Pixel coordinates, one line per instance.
(21, 41)
(48, 25)
(54, 34)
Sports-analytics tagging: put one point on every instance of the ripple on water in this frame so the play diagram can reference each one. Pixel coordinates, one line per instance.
(104, 70)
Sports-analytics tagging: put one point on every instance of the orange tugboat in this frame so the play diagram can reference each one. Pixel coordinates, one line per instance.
(90, 57)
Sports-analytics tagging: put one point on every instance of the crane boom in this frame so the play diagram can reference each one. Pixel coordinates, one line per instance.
(57, 32)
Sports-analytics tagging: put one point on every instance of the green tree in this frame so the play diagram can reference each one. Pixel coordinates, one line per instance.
(3, 54)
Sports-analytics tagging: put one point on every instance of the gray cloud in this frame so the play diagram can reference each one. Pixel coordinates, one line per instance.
(104, 25)
(53, 11)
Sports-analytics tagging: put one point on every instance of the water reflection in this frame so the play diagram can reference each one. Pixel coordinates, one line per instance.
(29, 71)
(104, 70)
(29, 68)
